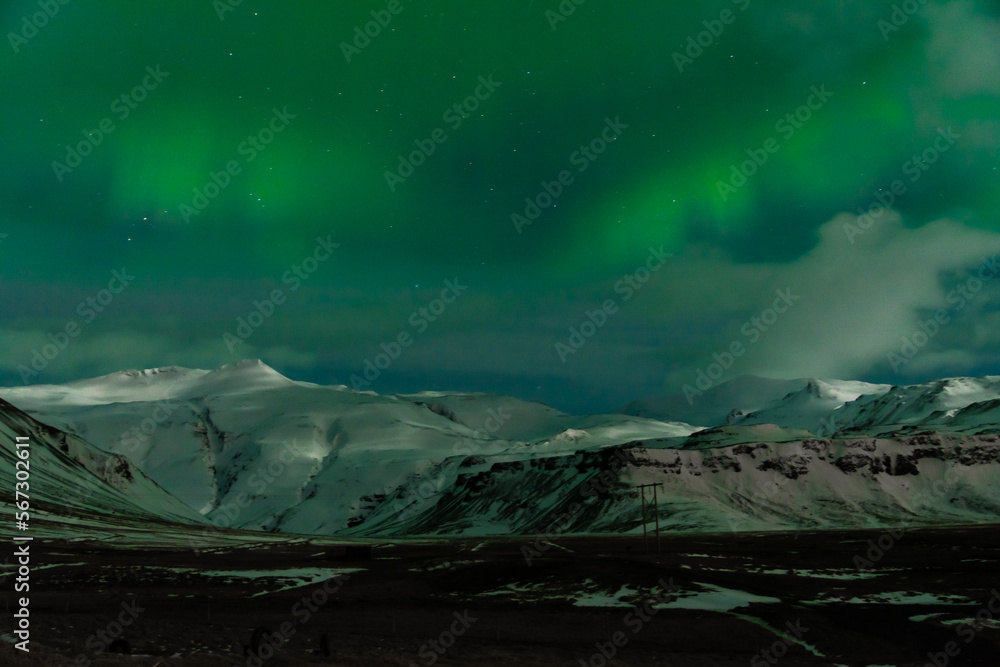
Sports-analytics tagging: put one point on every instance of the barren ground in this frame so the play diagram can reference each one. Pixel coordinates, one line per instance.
(909, 603)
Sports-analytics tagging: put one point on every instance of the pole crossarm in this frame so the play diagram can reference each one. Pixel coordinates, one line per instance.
(656, 514)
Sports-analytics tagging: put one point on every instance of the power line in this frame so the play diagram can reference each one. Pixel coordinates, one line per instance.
(656, 514)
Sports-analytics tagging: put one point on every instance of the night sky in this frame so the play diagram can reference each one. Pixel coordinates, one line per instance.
(192, 183)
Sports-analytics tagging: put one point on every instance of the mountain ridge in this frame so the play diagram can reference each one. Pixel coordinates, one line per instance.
(247, 447)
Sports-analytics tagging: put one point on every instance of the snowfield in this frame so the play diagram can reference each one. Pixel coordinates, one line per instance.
(243, 446)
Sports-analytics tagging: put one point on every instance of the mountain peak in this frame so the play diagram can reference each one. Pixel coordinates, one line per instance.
(125, 386)
(162, 372)
(242, 376)
(248, 363)
(249, 366)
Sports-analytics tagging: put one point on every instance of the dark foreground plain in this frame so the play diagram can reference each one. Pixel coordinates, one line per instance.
(807, 598)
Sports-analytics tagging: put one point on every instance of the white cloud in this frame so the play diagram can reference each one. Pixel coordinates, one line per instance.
(858, 300)
(963, 51)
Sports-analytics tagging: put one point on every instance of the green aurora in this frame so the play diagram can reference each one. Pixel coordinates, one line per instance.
(225, 138)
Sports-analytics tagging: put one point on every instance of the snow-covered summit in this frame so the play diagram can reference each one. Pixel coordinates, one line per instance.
(826, 406)
(937, 402)
(244, 446)
(815, 406)
(151, 384)
(246, 375)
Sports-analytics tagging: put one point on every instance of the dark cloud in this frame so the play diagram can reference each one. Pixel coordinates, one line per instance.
(203, 134)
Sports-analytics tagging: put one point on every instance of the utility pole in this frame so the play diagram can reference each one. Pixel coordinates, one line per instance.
(642, 499)
(656, 515)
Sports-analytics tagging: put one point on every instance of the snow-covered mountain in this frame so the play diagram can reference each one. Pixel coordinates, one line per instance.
(965, 405)
(247, 447)
(814, 407)
(858, 483)
(827, 407)
(719, 403)
(73, 480)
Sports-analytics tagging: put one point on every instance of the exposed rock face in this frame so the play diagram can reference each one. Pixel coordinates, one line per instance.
(250, 448)
(815, 483)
